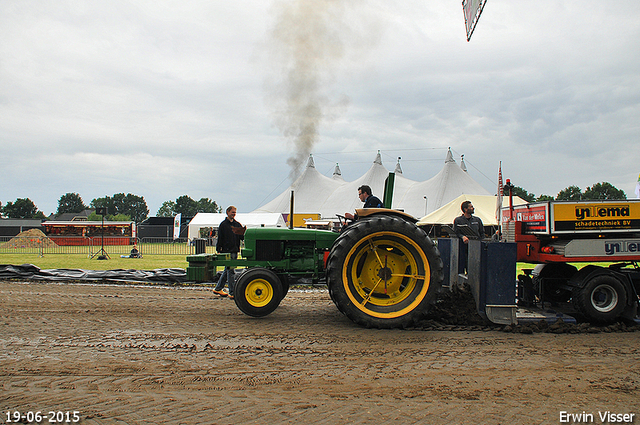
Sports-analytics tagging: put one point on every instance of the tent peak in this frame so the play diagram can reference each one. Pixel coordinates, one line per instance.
(337, 174)
(462, 164)
(310, 163)
(449, 157)
(336, 171)
(378, 159)
(398, 169)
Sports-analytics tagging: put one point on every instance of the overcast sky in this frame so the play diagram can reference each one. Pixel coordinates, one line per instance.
(224, 99)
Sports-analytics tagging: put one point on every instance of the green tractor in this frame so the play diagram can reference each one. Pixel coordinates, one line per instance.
(382, 270)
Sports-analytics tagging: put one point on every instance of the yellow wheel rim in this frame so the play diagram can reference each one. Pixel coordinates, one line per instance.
(259, 292)
(386, 269)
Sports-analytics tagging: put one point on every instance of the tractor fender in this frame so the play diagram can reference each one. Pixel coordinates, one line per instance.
(369, 212)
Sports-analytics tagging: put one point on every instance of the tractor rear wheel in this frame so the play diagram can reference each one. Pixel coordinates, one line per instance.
(258, 292)
(384, 272)
(602, 299)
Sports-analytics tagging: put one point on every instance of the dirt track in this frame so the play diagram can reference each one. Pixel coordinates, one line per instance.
(141, 355)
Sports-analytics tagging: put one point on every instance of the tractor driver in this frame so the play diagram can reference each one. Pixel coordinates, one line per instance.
(370, 201)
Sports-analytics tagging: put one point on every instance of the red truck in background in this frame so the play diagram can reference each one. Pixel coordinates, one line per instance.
(556, 234)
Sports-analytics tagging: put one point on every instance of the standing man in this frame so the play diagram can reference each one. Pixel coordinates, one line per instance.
(370, 201)
(467, 226)
(230, 233)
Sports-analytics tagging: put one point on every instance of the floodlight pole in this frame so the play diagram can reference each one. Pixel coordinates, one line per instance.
(103, 254)
(102, 233)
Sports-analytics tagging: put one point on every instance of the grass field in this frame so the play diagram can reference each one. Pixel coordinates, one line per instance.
(149, 262)
(51, 256)
(82, 261)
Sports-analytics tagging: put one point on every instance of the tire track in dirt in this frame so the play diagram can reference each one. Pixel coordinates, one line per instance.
(141, 354)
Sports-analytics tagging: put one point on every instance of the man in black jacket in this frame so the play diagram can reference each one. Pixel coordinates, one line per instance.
(467, 226)
(230, 233)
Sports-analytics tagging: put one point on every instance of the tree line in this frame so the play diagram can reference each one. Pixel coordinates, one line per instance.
(119, 207)
(599, 191)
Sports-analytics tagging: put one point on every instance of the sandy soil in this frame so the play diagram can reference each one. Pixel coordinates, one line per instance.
(142, 355)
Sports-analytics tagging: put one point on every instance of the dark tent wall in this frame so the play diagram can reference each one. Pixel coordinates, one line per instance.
(162, 227)
(12, 226)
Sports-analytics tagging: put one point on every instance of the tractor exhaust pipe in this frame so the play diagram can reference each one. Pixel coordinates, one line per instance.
(291, 212)
(509, 187)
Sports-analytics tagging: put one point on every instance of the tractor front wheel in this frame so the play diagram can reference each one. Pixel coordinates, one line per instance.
(258, 292)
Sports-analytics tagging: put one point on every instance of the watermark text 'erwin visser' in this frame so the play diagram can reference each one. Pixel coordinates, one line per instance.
(599, 417)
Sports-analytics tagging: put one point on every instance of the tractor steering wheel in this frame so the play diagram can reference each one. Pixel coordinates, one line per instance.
(344, 221)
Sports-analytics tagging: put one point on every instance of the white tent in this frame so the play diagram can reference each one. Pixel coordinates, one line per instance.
(484, 205)
(315, 193)
(345, 197)
(310, 189)
(213, 220)
(451, 182)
